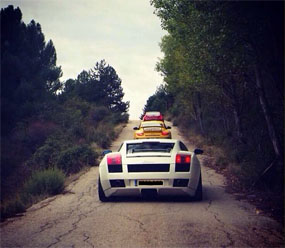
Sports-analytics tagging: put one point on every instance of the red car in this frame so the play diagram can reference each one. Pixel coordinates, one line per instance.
(154, 115)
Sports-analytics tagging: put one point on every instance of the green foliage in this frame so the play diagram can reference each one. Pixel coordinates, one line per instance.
(42, 183)
(49, 126)
(120, 118)
(72, 159)
(60, 152)
(100, 85)
(12, 207)
(159, 101)
(98, 114)
(210, 53)
(29, 75)
(45, 182)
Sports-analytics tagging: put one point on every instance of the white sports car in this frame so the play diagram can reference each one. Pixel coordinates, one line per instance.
(150, 167)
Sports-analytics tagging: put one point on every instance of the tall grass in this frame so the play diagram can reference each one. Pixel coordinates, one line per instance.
(42, 183)
(45, 182)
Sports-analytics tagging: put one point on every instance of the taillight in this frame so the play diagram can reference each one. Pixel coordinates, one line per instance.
(114, 162)
(188, 159)
(182, 162)
(139, 133)
(164, 132)
(114, 159)
(178, 159)
(181, 158)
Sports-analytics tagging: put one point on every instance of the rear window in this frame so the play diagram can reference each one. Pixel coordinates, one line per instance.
(152, 113)
(149, 147)
(152, 124)
(152, 116)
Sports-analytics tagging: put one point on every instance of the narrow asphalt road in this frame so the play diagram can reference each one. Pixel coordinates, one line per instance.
(78, 219)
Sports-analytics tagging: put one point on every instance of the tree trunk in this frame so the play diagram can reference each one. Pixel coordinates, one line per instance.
(238, 126)
(266, 112)
(236, 104)
(199, 113)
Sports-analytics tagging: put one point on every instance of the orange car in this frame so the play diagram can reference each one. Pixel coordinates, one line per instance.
(152, 129)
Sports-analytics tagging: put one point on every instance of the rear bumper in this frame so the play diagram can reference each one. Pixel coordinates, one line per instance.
(129, 191)
(170, 186)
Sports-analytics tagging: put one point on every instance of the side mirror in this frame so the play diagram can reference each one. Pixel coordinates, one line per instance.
(168, 127)
(198, 151)
(106, 152)
(136, 128)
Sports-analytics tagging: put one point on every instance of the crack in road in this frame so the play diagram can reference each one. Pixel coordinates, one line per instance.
(141, 224)
(73, 228)
(86, 240)
(75, 209)
(222, 224)
(224, 230)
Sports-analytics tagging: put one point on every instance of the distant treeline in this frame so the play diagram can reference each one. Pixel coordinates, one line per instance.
(47, 124)
(223, 69)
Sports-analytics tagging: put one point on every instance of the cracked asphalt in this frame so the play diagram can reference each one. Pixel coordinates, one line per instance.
(78, 219)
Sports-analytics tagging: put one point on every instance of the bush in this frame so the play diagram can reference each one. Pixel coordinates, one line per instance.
(120, 118)
(104, 134)
(102, 139)
(72, 159)
(12, 207)
(61, 152)
(47, 154)
(62, 139)
(45, 182)
(42, 183)
(98, 114)
(37, 132)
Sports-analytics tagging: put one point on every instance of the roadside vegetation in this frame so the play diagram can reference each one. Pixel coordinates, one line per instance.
(223, 70)
(49, 129)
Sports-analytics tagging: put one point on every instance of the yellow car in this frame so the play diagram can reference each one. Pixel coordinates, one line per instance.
(152, 129)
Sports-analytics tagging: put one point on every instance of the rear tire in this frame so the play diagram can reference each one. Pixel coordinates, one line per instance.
(101, 194)
(199, 191)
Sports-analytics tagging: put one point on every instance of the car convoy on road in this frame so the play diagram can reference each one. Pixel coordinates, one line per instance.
(152, 126)
(152, 129)
(152, 164)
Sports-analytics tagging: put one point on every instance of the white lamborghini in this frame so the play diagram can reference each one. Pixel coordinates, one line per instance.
(150, 167)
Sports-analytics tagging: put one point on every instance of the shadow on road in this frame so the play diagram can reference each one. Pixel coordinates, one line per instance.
(210, 193)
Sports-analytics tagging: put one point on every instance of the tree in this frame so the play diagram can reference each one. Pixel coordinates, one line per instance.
(158, 101)
(100, 85)
(29, 75)
(223, 65)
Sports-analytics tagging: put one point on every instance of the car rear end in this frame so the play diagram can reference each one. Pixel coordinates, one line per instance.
(153, 129)
(162, 173)
(154, 115)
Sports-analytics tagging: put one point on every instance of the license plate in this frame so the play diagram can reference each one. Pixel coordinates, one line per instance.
(150, 182)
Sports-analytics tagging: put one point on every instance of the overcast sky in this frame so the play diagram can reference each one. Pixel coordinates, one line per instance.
(125, 33)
